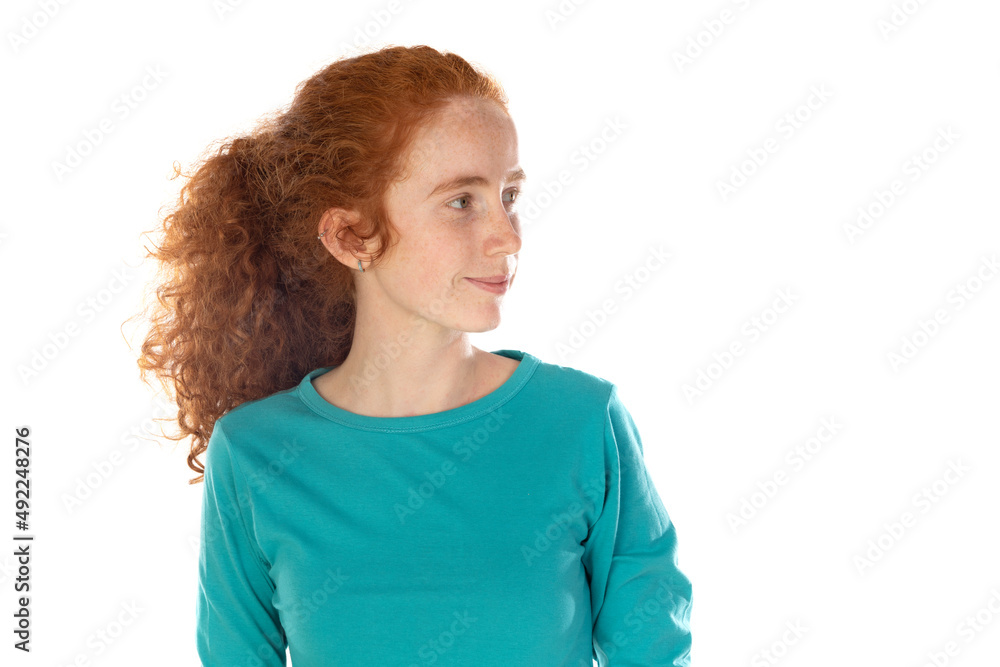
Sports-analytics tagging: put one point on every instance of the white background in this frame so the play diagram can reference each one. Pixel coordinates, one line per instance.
(685, 127)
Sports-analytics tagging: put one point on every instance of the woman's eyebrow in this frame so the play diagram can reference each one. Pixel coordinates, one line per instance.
(516, 174)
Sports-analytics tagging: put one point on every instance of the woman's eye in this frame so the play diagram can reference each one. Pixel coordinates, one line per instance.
(515, 192)
(459, 199)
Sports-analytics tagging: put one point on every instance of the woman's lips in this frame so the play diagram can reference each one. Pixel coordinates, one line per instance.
(493, 284)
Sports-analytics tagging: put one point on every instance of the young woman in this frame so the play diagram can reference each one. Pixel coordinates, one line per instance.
(377, 490)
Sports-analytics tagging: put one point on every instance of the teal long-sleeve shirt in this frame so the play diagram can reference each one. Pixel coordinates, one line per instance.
(522, 528)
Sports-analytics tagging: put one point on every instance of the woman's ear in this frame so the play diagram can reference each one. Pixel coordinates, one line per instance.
(336, 232)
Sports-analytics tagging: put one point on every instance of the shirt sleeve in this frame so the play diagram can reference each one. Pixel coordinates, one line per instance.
(641, 601)
(236, 622)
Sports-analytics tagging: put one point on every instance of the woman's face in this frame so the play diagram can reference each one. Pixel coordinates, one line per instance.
(454, 212)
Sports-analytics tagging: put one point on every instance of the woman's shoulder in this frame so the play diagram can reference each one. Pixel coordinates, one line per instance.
(277, 411)
(582, 386)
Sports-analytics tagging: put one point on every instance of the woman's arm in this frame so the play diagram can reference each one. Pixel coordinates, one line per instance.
(237, 624)
(641, 601)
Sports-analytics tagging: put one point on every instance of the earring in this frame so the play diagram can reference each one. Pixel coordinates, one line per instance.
(360, 268)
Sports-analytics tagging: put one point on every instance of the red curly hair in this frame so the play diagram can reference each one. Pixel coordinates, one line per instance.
(248, 301)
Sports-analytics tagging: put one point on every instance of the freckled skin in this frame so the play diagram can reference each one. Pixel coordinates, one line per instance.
(442, 240)
(418, 292)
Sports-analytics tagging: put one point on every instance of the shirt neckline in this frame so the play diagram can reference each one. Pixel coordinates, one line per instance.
(477, 408)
